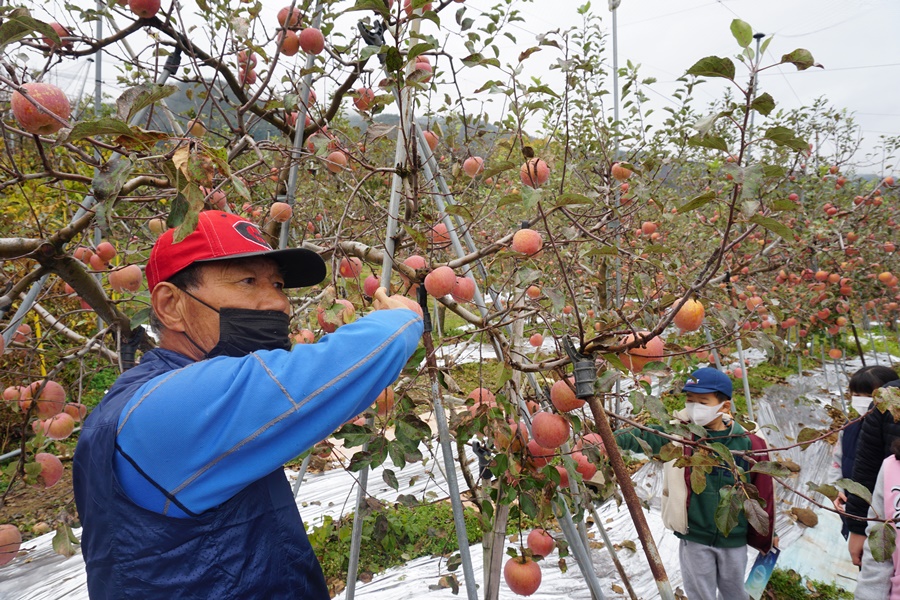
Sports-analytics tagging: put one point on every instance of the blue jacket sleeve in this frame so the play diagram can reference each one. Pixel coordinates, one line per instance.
(200, 434)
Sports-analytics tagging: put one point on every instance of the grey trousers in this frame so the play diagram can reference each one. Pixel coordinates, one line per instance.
(705, 569)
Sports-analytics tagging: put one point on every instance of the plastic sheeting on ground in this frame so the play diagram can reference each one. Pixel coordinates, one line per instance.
(818, 552)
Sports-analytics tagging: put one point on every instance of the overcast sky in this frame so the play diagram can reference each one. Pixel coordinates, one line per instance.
(856, 41)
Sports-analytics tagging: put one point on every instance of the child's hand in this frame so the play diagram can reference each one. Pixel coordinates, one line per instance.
(855, 545)
(840, 502)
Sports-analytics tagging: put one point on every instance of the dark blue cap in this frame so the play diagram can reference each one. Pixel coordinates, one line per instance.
(708, 381)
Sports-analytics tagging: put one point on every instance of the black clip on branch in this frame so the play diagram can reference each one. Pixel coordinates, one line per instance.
(422, 297)
(130, 346)
(373, 36)
(585, 371)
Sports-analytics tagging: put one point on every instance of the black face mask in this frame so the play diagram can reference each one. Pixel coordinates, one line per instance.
(244, 330)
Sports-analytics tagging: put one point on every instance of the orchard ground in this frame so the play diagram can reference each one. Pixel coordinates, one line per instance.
(406, 578)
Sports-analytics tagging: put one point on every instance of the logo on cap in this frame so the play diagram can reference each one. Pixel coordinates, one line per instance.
(248, 231)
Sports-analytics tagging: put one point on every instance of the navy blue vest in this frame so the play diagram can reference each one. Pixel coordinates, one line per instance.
(252, 546)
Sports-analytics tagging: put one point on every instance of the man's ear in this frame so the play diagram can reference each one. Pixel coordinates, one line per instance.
(726, 407)
(169, 305)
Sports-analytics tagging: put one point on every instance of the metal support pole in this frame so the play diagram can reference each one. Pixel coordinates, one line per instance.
(440, 417)
(301, 473)
(612, 552)
(299, 127)
(712, 349)
(579, 550)
(740, 349)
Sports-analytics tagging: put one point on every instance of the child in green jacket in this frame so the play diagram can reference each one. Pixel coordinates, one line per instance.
(711, 560)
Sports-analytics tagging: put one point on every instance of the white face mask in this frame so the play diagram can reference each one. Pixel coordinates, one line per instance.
(702, 414)
(860, 403)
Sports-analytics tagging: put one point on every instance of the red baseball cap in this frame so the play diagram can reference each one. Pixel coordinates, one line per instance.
(222, 236)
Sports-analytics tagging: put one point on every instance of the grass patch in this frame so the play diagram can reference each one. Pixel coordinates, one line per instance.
(391, 536)
(789, 585)
(97, 385)
(477, 374)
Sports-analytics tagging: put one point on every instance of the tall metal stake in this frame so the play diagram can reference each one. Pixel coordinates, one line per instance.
(745, 379)
(299, 127)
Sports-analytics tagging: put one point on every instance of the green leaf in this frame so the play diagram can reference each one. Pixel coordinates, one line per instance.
(742, 32)
(806, 434)
(783, 136)
(19, 24)
(110, 178)
(110, 126)
(603, 251)
(239, 187)
(378, 6)
(177, 212)
(728, 510)
(670, 451)
(763, 104)
(774, 226)
(698, 479)
(531, 197)
(854, 488)
(800, 58)
(139, 97)
(773, 171)
(756, 516)
(140, 317)
(459, 210)
(723, 452)
(353, 435)
(697, 202)
(713, 66)
(773, 468)
(478, 60)
(829, 491)
(708, 141)
(418, 49)
(528, 506)
(572, 198)
(498, 168)
(782, 204)
(389, 478)
(62, 543)
(882, 541)
(191, 215)
(509, 199)
(359, 461)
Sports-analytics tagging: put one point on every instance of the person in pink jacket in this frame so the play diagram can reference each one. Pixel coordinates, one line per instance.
(881, 580)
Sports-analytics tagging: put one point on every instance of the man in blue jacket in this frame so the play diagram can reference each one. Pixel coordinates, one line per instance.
(178, 473)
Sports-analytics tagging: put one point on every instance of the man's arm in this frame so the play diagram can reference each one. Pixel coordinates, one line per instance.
(191, 439)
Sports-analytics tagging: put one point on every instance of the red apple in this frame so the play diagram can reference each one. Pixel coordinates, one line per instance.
(312, 41)
(527, 241)
(473, 166)
(32, 119)
(549, 429)
(440, 282)
(540, 542)
(10, 542)
(51, 469)
(144, 9)
(463, 290)
(522, 575)
(364, 98)
(563, 397)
